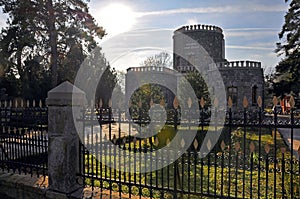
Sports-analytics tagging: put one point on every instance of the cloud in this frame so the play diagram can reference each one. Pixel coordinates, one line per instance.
(249, 47)
(223, 9)
(251, 29)
(131, 48)
(187, 11)
(250, 32)
(192, 21)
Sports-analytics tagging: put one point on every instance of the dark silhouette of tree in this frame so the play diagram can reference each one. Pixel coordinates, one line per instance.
(288, 70)
(50, 35)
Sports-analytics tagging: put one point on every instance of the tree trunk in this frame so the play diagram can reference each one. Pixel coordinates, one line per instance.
(52, 42)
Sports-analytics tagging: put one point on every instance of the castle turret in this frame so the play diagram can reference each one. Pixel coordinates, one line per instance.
(209, 37)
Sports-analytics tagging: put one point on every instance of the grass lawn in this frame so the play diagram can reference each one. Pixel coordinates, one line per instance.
(251, 174)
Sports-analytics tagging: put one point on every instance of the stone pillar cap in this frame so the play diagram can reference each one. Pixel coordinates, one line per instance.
(66, 94)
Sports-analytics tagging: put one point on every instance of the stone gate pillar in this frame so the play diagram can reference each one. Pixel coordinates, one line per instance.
(63, 154)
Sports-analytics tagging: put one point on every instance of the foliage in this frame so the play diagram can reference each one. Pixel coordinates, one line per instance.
(143, 97)
(45, 39)
(107, 83)
(288, 70)
(97, 78)
(199, 86)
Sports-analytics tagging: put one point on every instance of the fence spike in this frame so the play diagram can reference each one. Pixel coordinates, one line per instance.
(33, 103)
(252, 147)
(189, 102)
(5, 104)
(16, 103)
(140, 103)
(292, 102)
(208, 145)
(22, 103)
(10, 103)
(15, 130)
(100, 103)
(92, 104)
(223, 145)
(27, 103)
(175, 102)
(267, 148)
(168, 141)
(275, 101)
(245, 102)
(196, 143)
(237, 146)
(259, 101)
(230, 102)
(162, 103)
(151, 102)
(156, 142)
(216, 102)
(202, 102)
(273, 133)
(110, 103)
(40, 104)
(182, 143)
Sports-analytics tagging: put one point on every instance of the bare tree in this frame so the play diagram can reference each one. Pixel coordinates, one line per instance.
(163, 59)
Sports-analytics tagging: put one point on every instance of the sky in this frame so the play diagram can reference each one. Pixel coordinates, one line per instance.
(137, 29)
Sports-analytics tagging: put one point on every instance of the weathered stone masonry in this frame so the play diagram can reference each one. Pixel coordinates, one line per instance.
(241, 78)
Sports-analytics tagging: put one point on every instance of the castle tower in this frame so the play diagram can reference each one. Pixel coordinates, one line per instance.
(241, 78)
(209, 37)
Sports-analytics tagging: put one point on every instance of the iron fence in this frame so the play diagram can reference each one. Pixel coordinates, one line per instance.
(23, 137)
(256, 156)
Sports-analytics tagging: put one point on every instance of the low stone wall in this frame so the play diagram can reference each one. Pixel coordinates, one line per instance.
(21, 186)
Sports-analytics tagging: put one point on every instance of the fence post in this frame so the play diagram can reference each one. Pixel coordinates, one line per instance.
(63, 162)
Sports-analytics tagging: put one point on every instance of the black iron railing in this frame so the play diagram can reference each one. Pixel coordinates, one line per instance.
(256, 156)
(23, 137)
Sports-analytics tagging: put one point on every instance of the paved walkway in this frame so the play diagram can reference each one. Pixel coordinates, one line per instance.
(286, 134)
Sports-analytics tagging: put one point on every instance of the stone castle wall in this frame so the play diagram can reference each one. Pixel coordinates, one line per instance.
(201, 46)
(204, 44)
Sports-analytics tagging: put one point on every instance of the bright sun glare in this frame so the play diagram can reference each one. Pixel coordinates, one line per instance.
(116, 18)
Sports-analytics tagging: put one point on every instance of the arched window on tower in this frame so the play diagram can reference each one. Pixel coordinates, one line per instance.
(254, 95)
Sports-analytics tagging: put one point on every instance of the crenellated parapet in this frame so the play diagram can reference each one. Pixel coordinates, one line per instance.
(150, 69)
(198, 27)
(239, 64)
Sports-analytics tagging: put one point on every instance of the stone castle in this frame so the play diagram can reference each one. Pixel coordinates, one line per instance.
(241, 78)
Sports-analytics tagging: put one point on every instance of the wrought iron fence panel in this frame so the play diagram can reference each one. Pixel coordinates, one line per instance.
(251, 159)
(23, 137)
